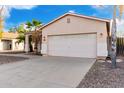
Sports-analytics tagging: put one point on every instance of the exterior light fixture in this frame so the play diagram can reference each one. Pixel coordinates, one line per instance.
(44, 38)
(101, 34)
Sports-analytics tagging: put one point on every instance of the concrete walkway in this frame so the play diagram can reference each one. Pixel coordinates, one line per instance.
(47, 72)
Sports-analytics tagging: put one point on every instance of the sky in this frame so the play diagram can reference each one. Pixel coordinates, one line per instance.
(15, 15)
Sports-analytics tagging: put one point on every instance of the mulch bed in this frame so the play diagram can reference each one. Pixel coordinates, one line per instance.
(10, 59)
(102, 75)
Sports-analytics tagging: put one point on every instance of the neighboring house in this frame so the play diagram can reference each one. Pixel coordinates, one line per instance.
(73, 35)
(8, 42)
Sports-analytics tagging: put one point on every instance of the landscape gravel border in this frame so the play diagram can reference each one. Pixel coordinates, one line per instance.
(102, 75)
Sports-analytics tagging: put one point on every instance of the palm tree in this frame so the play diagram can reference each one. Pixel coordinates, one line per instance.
(32, 26)
(36, 38)
(113, 39)
(113, 33)
(112, 51)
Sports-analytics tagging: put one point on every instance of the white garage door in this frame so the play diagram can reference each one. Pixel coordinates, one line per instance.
(83, 45)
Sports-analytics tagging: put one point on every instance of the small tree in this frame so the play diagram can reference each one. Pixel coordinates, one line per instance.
(1, 21)
(21, 31)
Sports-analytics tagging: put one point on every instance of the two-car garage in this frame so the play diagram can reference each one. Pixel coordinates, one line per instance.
(73, 35)
(80, 45)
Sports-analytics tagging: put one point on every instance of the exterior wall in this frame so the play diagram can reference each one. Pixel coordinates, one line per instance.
(16, 46)
(7, 44)
(26, 43)
(77, 25)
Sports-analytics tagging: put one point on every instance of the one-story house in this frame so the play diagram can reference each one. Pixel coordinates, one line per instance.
(8, 42)
(74, 35)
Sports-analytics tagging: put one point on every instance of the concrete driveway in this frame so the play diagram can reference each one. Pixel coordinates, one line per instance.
(47, 72)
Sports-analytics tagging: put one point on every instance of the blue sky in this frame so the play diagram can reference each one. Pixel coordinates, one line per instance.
(16, 15)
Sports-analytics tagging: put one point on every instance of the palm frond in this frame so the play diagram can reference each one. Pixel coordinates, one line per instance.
(21, 38)
(29, 24)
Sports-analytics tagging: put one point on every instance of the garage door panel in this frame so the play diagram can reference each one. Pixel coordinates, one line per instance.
(83, 45)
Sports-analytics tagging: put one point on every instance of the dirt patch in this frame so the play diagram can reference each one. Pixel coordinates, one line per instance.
(101, 75)
(10, 59)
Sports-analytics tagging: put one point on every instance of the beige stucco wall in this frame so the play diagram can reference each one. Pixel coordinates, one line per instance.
(77, 25)
(15, 47)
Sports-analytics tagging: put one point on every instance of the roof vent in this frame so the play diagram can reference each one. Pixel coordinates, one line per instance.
(68, 20)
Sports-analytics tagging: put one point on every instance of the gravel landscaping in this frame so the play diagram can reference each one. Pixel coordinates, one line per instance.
(10, 59)
(101, 75)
